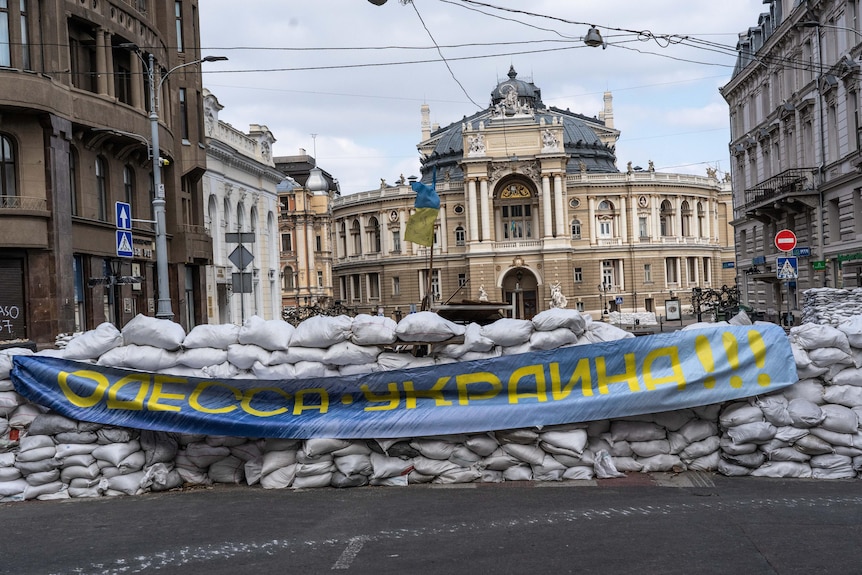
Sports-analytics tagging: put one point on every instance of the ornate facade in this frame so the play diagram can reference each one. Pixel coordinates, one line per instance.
(797, 147)
(242, 219)
(532, 206)
(75, 139)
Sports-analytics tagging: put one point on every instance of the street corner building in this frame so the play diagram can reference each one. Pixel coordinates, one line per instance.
(79, 81)
(532, 204)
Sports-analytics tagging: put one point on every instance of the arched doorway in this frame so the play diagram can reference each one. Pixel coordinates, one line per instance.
(521, 288)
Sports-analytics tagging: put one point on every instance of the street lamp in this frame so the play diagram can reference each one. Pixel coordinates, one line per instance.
(603, 291)
(163, 308)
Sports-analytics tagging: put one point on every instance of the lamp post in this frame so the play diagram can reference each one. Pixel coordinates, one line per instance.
(603, 305)
(163, 307)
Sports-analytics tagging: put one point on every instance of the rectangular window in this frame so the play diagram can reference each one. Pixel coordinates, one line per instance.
(374, 286)
(320, 279)
(579, 306)
(462, 280)
(5, 52)
(184, 116)
(318, 243)
(670, 271)
(691, 264)
(647, 273)
(286, 242)
(643, 227)
(25, 42)
(396, 242)
(605, 229)
(396, 286)
(707, 270)
(459, 236)
(178, 17)
(579, 275)
(576, 230)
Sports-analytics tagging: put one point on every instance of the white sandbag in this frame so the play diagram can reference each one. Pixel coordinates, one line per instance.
(427, 327)
(65, 450)
(750, 460)
(552, 339)
(846, 395)
(700, 449)
(37, 454)
(189, 472)
(774, 408)
(354, 465)
(6, 356)
(296, 354)
(787, 454)
(645, 449)
(516, 349)
(804, 413)
(626, 430)
(6, 385)
(160, 477)
(351, 370)
(835, 438)
(348, 353)
(141, 358)
(45, 491)
(708, 412)
(555, 318)
(23, 415)
(782, 469)
(693, 431)
(243, 356)
(389, 360)
(108, 435)
(203, 455)
(483, 444)
(676, 419)
(839, 419)
(518, 473)
(30, 442)
(322, 331)
(491, 476)
(134, 462)
(384, 466)
(312, 481)
(499, 460)
(231, 469)
(740, 413)
(91, 471)
(789, 433)
(813, 445)
(508, 332)
(341, 480)
(813, 336)
(627, 464)
(662, 462)
(92, 344)
(114, 453)
(433, 467)
(200, 357)
(225, 370)
(707, 462)
(215, 336)
(84, 459)
(277, 459)
(308, 369)
(354, 447)
(852, 328)
(9, 402)
(599, 331)
(574, 440)
(433, 448)
(373, 330)
(845, 472)
(272, 335)
(850, 375)
(755, 432)
(828, 356)
(522, 436)
(731, 470)
(13, 487)
(548, 470)
(52, 424)
(527, 453)
(740, 319)
(152, 331)
(604, 467)
(247, 450)
(280, 478)
(318, 447)
(280, 371)
(42, 477)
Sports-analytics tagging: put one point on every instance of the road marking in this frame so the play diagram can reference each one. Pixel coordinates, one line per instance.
(354, 546)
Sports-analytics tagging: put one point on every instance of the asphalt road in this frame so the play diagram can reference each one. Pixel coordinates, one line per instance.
(692, 523)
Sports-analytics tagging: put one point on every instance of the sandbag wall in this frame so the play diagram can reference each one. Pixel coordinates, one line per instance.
(46, 456)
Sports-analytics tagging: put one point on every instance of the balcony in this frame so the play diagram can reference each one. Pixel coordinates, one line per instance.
(192, 243)
(790, 191)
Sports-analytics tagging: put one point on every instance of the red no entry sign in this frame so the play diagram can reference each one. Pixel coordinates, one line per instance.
(785, 240)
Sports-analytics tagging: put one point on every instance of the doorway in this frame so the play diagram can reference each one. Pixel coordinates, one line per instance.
(521, 288)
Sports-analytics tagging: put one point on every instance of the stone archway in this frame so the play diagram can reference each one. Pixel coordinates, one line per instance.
(521, 287)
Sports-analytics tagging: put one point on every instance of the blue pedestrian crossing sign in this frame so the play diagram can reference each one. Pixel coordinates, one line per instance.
(618, 300)
(124, 244)
(124, 216)
(788, 268)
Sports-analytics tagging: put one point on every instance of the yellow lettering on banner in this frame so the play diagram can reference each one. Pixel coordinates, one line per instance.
(195, 403)
(136, 404)
(249, 394)
(538, 374)
(391, 399)
(581, 373)
(435, 393)
(299, 405)
(629, 376)
(481, 377)
(79, 400)
(159, 393)
(671, 354)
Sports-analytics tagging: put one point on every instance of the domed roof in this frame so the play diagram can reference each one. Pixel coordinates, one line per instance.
(526, 91)
(580, 141)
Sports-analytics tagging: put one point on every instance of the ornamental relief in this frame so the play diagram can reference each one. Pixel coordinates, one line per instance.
(529, 169)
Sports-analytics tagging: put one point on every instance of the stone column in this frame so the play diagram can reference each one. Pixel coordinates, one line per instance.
(546, 207)
(472, 211)
(591, 216)
(559, 207)
(487, 216)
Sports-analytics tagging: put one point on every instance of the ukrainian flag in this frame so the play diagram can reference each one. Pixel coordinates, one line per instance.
(420, 225)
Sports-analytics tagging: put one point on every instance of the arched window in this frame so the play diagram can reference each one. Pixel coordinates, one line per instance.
(343, 235)
(685, 209)
(129, 186)
(356, 231)
(516, 211)
(8, 170)
(101, 189)
(374, 235)
(288, 279)
(240, 218)
(666, 218)
(605, 217)
(576, 229)
(701, 220)
(226, 219)
(459, 236)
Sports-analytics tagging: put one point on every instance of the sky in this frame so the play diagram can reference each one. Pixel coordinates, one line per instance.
(345, 79)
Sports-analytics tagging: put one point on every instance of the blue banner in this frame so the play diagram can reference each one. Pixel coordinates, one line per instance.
(608, 380)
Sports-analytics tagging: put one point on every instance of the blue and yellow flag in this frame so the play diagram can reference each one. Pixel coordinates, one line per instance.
(420, 225)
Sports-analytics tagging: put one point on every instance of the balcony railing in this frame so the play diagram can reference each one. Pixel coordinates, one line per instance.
(23, 203)
(789, 182)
